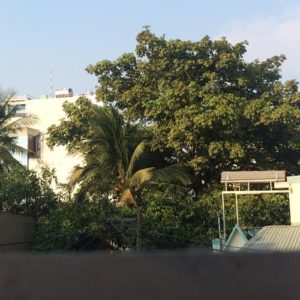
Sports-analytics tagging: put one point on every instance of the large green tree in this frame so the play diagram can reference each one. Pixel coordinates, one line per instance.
(203, 100)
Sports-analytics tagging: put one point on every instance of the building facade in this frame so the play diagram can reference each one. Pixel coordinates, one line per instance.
(45, 112)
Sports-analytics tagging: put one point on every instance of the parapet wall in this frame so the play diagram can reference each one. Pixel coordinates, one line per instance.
(171, 275)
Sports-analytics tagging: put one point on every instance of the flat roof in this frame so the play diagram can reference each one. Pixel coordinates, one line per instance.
(253, 176)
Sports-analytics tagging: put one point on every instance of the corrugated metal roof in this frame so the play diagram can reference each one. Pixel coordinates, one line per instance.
(280, 238)
(253, 176)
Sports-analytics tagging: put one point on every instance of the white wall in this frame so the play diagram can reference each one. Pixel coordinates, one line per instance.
(48, 112)
(294, 196)
(23, 142)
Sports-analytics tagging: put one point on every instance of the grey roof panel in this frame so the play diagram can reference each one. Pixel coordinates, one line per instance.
(278, 238)
(253, 176)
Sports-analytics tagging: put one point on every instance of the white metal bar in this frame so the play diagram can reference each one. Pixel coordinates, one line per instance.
(251, 180)
(256, 192)
(237, 209)
(223, 212)
(281, 185)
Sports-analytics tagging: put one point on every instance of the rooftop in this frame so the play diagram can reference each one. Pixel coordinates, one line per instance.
(277, 238)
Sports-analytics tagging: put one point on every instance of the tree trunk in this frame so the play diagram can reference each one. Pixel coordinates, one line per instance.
(139, 221)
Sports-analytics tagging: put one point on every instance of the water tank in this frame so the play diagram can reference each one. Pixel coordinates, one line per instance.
(64, 93)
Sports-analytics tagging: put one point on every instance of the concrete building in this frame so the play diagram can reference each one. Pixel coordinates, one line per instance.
(46, 111)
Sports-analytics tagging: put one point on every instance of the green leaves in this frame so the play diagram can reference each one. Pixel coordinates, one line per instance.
(23, 191)
(204, 101)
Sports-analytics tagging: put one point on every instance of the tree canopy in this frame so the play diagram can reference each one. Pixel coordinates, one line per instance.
(205, 102)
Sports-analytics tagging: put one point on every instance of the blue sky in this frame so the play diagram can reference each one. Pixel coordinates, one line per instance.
(69, 35)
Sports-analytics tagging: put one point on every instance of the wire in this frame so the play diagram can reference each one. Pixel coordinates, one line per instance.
(14, 243)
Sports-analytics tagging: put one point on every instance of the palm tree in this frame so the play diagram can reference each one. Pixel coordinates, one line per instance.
(142, 171)
(114, 165)
(9, 125)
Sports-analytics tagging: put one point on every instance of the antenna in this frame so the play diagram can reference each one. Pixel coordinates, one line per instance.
(51, 82)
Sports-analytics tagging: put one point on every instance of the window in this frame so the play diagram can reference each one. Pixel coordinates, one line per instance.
(34, 145)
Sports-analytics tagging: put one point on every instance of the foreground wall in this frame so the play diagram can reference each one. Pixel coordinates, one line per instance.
(16, 232)
(156, 276)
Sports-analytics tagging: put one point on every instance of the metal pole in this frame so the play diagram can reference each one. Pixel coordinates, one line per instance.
(237, 209)
(219, 226)
(224, 223)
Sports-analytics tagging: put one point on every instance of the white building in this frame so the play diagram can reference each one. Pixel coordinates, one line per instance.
(47, 111)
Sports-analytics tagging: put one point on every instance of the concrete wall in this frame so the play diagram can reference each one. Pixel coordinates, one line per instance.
(157, 276)
(294, 198)
(48, 112)
(22, 141)
(16, 231)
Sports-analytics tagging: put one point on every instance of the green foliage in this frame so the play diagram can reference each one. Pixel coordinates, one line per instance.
(103, 137)
(83, 124)
(22, 191)
(116, 161)
(196, 103)
(112, 162)
(173, 218)
(74, 129)
(76, 227)
(264, 210)
(203, 100)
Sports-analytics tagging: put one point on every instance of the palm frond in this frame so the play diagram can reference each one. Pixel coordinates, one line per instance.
(12, 147)
(9, 125)
(137, 154)
(107, 166)
(173, 174)
(141, 176)
(6, 157)
(16, 123)
(76, 175)
(126, 197)
(107, 136)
